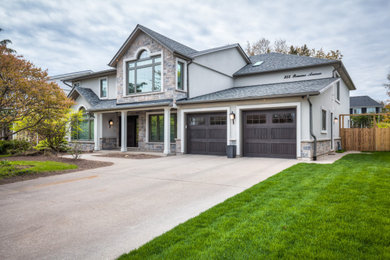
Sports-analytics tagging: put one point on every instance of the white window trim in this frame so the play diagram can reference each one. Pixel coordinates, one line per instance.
(134, 58)
(100, 88)
(326, 118)
(238, 123)
(147, 125)
(184, 77)
(184, 112)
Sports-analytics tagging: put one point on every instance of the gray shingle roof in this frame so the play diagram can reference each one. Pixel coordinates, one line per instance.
(278, 61)
(111, 104)
(296, 88)
(363, 101)
(88, 94)
(171, 44)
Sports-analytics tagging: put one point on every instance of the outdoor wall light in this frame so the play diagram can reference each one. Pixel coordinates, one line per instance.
(110, 123)
(232, 116)
(336, 120)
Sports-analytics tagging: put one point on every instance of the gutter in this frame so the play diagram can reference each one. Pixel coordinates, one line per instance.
(311, 129)
(185, 102)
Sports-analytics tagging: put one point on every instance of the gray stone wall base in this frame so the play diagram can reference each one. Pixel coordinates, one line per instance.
(323, 148)
(85, 146)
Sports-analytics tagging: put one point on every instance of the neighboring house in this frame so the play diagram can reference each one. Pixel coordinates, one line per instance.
(61, 79)
(363, 105)
(161, 95)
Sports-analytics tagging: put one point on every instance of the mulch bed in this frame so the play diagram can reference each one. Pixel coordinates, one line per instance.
(129, 156)
(81, 163)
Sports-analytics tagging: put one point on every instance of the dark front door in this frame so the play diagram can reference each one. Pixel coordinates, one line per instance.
(269, 133)
(132, 140)
(207, 133)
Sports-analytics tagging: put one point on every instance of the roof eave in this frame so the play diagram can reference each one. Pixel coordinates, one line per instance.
(286, 69)
(311, 93)
(349, 79)
(130, 108)
(94, 75)
(236, 45)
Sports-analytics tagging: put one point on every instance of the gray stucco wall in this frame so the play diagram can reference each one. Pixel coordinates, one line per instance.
(203, 80)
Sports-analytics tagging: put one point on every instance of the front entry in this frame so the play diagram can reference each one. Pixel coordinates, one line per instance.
(132, 126)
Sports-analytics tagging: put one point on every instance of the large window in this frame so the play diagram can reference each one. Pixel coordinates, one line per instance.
(144, 74)
(86, 127)
(323, 120)
(103, 88)
(180, 75)
(156, 128)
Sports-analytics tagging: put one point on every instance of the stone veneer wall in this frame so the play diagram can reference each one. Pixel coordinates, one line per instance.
(85, 146)
(323, 147)
(168, 90)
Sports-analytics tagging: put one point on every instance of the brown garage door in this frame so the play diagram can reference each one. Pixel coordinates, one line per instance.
(206, 133)
(269, 133)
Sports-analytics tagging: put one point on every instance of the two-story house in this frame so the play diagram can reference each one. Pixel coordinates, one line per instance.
(363, 105)
(161, 95)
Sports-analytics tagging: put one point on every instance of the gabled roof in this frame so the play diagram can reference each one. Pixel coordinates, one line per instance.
(278, 61)
(363, 101)
(285, 89)
(170, 44)
(222, 48)
(87, 93)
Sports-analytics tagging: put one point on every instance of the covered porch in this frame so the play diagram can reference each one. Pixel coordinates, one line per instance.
(153, 130)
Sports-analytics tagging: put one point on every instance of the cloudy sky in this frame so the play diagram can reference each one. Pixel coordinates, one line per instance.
(67, 36)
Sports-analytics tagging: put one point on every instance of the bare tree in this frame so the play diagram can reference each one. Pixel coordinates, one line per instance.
(280, 46)
(259, 47)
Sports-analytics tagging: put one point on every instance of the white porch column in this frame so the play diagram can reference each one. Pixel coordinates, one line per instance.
(123, 131)
(97, 130)
(167, 130)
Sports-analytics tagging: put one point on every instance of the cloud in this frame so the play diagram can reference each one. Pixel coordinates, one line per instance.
(67, 36)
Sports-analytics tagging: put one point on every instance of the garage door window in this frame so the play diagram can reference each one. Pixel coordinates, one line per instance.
(197, 120)
(218, 120)
(283, 118)
(256, 119)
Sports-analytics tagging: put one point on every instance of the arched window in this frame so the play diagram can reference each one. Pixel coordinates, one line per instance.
(86, 127)
(143, 55)
(144, 74)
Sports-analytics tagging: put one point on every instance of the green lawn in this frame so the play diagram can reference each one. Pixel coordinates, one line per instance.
(17, 168)
(337, 211)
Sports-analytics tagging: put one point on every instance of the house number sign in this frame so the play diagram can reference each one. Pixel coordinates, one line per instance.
(292, 76)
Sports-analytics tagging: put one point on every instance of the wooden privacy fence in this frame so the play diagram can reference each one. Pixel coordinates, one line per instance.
(364, 139)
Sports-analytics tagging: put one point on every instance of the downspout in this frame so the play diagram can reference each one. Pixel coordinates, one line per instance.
(311, 129)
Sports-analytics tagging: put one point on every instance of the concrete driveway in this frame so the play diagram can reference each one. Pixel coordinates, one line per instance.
(104, 212)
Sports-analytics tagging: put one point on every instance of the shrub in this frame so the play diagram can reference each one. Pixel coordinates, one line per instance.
(14, 146)
(53, 147)
(75, 151)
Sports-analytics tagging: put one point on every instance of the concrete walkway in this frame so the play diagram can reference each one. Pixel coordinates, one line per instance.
(102, 213)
